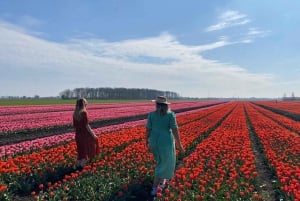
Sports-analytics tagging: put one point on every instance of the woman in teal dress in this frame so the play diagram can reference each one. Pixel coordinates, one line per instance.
(162, 133)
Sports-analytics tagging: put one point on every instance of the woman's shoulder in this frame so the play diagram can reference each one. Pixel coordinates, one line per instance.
(84, 114)
(151, 114)
(170, 112)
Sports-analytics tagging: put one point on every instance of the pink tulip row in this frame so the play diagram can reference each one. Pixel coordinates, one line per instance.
(20, 109)
(17, 122)
(11, 110)
(40, 143)
(282, 148)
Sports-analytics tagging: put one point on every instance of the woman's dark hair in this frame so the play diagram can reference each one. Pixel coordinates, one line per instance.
(162, 108)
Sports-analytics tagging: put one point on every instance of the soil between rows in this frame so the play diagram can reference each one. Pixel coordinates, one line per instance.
(266, 176)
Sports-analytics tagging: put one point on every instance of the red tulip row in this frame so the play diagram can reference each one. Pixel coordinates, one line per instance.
(55, 140)
(222, 166)
(17, 122)
(289, 106)
(64, 155)
(287, 122)
(282, 148)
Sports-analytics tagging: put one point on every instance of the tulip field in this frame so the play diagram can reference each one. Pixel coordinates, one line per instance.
(236, 150)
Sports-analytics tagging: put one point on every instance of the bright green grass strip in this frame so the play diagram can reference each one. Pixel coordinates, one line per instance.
(11, 102)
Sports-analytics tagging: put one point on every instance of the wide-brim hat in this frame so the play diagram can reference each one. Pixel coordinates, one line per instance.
(161, 99)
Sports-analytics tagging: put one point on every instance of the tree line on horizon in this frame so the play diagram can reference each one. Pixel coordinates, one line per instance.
(107, 93)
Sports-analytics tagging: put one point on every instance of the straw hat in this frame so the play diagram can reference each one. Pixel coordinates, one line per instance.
(161, 99)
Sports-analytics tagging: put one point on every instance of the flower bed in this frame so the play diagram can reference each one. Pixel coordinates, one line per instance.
(218, 163)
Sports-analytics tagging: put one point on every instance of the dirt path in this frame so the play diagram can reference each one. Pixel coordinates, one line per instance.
(265, 176)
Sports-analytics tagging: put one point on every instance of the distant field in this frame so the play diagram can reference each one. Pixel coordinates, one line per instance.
(4, 102)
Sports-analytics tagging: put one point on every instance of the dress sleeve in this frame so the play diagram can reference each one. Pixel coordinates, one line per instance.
(149, 121)
(173, 122)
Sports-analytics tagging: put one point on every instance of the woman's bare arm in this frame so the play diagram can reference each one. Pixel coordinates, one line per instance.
(91, 131)
(175, 132)
(148, 131)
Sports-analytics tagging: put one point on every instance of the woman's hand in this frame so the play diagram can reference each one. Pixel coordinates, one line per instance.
(147, 143)
(177, 140)
(148, 132)
(181, 149)
(91, 132)
(95, 137)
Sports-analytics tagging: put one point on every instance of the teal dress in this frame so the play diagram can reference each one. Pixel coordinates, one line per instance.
(162, 144)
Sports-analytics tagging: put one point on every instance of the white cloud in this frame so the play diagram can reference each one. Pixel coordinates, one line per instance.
(256, 32)
(229, 19)
(252, 35)
(234, 18)
(35, 66)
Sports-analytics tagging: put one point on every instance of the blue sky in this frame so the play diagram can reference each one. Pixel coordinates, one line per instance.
(232, 48)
